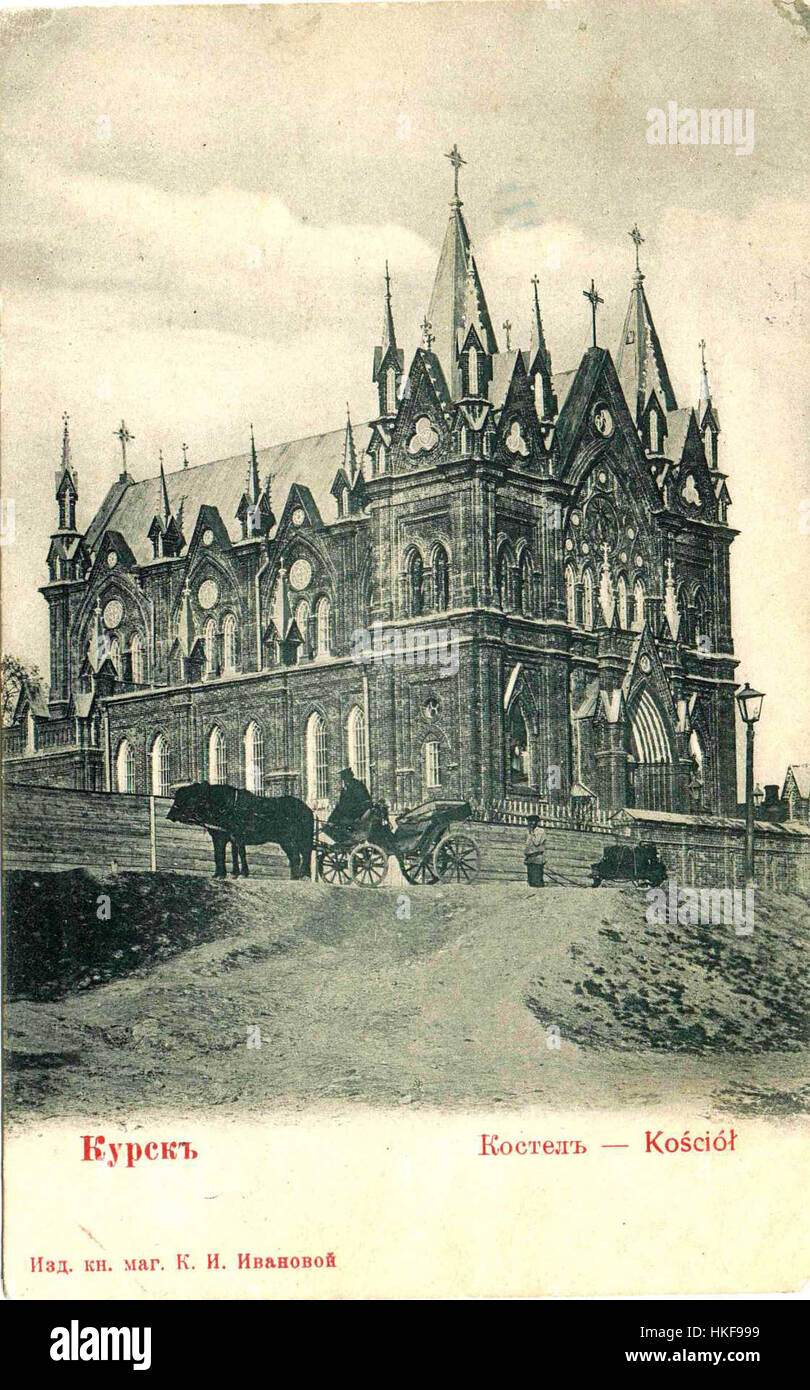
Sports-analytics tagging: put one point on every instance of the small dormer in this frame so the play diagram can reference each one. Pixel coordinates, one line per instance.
(475, 364)
(653, 426)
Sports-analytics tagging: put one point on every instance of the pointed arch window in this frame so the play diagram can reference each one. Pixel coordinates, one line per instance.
(621, 600)
(217, 757)
(703, 627)
(441, 579)
(526, 584)
(638, 606)
(138, 664)
(472, 371)
(433, 767)
(125, 767)
(571, 595)
(254, 759)
(391, 391)
(161, 783)
(302, 616)
(210, 644)
(323, 627)
(229, 643)
(587, 599)
(416, 584)
(503, 579)
(356, 743)
(317, 752)
(115, 655)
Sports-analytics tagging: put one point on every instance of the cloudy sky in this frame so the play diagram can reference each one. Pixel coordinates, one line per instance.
(197, 204)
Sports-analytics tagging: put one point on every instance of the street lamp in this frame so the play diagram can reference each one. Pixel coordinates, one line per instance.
(749, 702)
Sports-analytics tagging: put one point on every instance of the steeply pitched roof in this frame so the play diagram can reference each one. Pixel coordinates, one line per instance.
(801, 774)
(450, 294)
(311, 461)
(640, 360)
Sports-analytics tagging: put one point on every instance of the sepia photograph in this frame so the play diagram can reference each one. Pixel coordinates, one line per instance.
(405, 525)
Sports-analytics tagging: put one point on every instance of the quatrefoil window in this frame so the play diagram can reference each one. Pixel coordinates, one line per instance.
(689, 492)
(424, 437)
(515, 442)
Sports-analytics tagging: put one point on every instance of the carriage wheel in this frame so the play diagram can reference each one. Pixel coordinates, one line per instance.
(417, 868)
(456, 858)
(368, 864)
(333, 865)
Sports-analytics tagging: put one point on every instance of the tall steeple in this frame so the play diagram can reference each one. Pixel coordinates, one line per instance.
(67, 490)
(389, 360)
(164, 531)
(446, 312)
(640, 360)
(540, 363)
(708, 421)
(349, 451)
(164, 492)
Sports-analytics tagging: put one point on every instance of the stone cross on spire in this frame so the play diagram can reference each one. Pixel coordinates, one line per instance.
(456, 161)
(427, 334)
(637, 239)
(595, 299)
(184, 447)
(123, 434)
(507, 328)
(65, 441)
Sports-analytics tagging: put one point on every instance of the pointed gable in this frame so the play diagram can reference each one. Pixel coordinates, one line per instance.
(451, 296)
(423, 422)
(519, 439)
(640, 363)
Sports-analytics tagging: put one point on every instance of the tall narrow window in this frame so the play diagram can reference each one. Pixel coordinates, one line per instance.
(217, 757)
(160, 767)
(571, 595)
(302, 616)
(416, 584)
(587, 599)
(638, 606)
(125, 767)
(519, 761)
(323, 627)
(356, 741)
(391, 391)
(136, 651)
(621, 600)
(210, 643)
(526, 584)
(441, 579)
(254, 759)
(115, 655)
(229, 643)
(432, 764)
(472, 371)
(317, 759)
(503, 577)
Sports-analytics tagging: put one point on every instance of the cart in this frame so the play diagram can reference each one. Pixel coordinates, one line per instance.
(425, 844)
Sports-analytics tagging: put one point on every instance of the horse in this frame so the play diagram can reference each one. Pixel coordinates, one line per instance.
(230, 814)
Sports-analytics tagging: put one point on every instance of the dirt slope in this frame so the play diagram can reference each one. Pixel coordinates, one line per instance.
(464, 1001)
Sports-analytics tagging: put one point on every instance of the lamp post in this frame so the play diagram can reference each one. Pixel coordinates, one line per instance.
(749, 702)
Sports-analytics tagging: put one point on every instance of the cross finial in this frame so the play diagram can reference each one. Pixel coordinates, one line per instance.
(595, 300)
(65, 439)
(702, 346)
(507, 328)
(123, 434)
(428, 336)
(184, 447)
(637, 239)
(456, 161)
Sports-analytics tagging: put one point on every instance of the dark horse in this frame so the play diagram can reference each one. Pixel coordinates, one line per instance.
(229, 813)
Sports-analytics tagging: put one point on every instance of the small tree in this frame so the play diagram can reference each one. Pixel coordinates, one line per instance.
(14, 674)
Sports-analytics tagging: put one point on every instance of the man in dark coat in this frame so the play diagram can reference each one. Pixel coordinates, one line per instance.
(353, 802)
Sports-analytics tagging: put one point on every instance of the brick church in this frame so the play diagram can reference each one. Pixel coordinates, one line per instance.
(568, 529)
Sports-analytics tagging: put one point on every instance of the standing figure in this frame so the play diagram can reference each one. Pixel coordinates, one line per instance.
(534, 852)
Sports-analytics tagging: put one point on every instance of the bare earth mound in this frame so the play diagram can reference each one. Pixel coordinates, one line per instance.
(255, 994)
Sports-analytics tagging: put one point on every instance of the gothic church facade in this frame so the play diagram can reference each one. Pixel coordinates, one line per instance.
(569, 530)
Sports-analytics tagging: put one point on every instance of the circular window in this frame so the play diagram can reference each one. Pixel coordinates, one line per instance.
(603, 421)
(575, 518)
(645, 664)
(631, 532)
(207, 594)
(113, 613)
(112, 559)
(208, 537)
(638, 562)
(298, 516)
(586, 549)
(569, 544)
(300, 574)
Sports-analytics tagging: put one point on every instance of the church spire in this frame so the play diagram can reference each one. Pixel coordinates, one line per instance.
(640, 360)
(164, 492)
(349, 451)
(708, 422)
(255, 486)
(446, 312)
(540, 362)
(67, 490)
(389, 360)
(164, 531)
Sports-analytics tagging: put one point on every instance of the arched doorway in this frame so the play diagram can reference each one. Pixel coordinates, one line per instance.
(653, 782)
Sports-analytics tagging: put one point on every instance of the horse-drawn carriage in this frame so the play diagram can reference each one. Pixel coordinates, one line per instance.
(423, 841)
